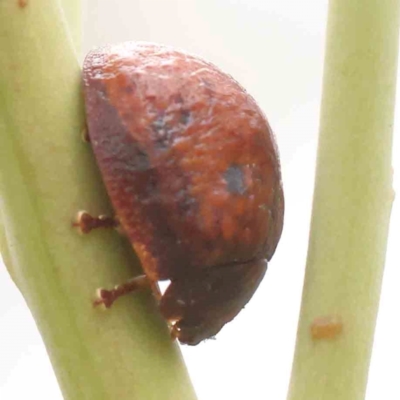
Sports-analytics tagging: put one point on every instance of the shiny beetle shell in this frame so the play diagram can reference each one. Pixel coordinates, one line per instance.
(192, 170)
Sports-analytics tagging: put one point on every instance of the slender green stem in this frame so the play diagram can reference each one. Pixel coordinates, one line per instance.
(352, 200)
(4, 252)
(47, 174)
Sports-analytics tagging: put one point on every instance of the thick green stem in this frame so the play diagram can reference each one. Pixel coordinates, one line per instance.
(73, 15)
(47, 174)
(352, 201)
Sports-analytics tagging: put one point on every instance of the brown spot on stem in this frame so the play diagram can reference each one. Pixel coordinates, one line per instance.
(326, 327)
(22, 3)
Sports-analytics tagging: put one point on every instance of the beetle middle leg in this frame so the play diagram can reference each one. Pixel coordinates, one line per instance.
(86, 223)
(107, 297)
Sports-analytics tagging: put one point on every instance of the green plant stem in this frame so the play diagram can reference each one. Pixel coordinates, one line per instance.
(4, 252)
(73, 15)
(47, 174)
(352, 199)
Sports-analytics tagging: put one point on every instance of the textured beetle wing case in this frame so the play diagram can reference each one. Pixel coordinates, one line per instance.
(187, 157)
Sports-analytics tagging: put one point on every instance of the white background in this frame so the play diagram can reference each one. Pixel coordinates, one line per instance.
(275, 49)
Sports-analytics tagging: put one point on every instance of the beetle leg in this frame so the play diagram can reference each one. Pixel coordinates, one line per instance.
(107, 297)
(86, 223)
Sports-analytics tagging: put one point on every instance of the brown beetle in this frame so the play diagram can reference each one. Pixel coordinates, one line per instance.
(192, 170)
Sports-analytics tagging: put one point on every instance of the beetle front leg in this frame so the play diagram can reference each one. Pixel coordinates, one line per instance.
(86, 223)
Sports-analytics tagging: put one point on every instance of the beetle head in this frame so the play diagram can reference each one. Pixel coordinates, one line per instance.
(199, 305)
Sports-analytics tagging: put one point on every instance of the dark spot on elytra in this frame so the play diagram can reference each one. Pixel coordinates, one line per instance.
(235, 179)
(187, 204)
(142, 160)
(162, 133)
(129, 89)
(127, 116)
(151, 185)
(177, 98)
(158, 125)
(185, 116)
(127, 156)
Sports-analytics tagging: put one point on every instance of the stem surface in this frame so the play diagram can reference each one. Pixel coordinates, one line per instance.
(47, 174)
(352, 202)
(73, 15)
